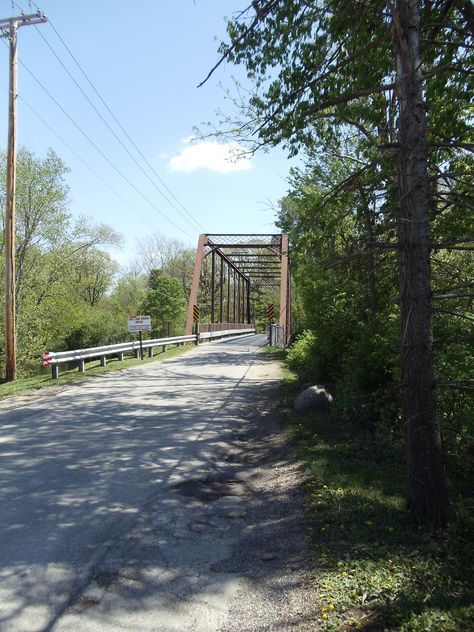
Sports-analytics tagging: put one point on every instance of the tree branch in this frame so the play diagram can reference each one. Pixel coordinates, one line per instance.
(460, 386)
(259, 16)
(450, 313)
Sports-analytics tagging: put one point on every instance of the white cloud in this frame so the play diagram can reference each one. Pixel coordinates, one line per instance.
(218, 157)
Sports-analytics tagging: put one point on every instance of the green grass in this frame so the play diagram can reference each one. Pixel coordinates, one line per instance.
(93, 369)
(373, 570)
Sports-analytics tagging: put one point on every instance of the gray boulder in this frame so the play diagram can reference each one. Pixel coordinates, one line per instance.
(314, 397)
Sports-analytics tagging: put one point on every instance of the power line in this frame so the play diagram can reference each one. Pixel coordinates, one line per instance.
(104, 156)
(119, 124)
(28, 105)
(194, 224)
(84, 162)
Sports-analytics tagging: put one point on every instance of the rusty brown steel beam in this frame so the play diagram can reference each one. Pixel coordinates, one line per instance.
(222, 255)
(193, 295)
(213, 284)
(221, 293)
(284, 289)
(252, 246)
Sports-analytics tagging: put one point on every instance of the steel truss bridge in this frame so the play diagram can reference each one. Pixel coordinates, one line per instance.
(228, 268)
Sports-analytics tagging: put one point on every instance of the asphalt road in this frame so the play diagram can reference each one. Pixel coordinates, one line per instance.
(142, 500)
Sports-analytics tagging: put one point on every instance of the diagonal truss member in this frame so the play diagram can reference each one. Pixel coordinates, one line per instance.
(236, 264)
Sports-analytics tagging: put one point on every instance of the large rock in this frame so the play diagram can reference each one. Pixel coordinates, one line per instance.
(314, 397)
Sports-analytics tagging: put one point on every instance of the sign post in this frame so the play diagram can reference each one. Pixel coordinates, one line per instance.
(139, 324)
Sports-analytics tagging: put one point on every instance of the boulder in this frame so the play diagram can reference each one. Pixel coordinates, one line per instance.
(314, 397)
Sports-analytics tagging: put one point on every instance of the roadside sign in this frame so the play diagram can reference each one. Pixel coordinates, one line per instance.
(195, 313)
(139, 323)
(270, 312)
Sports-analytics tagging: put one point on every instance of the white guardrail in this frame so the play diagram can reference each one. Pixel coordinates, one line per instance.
(54, 358)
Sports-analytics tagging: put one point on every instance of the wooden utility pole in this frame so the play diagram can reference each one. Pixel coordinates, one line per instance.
(8, 28)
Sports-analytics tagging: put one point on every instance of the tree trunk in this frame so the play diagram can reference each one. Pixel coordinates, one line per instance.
(427, 496)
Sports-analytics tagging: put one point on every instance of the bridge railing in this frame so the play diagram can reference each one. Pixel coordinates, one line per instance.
(206, 327)
(212, 335)
(54, 358)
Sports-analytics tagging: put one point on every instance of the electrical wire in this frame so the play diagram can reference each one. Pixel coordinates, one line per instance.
(104, 156)
(194, 225)
(84, 162)
(119, 124)
(161, 293)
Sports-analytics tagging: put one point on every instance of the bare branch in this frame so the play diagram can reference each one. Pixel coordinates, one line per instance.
(259, 16)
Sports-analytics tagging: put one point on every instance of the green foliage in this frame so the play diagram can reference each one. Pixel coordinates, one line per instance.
(94, 329)
(166, 305)
(161, 255)
(323, 84)
(373, 571)
(302, 354)
(63, 275)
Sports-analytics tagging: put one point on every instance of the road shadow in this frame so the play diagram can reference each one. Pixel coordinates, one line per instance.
(94, 525)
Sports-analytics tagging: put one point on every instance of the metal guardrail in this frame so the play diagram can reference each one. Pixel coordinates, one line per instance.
(54, 358)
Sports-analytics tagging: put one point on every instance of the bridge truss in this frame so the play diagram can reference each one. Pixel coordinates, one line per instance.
(228, 268)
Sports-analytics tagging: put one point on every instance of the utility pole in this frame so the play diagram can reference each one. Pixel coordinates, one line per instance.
(8, 29)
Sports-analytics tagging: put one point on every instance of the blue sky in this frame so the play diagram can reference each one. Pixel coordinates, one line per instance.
(146, 60)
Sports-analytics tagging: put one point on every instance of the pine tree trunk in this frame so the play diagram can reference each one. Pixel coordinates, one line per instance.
(427, 496)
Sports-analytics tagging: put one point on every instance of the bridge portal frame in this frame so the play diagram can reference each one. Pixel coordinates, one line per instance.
(251, 260)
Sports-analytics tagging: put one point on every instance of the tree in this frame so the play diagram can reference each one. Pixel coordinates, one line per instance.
(128, 295)
(160, 255)
(60, 267)
(323, 73)
(93, 274)
(166, 305)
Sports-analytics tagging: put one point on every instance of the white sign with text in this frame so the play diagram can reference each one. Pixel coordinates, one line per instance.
(139, 323)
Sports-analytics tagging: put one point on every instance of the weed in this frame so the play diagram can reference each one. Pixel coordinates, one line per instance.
(373, 570)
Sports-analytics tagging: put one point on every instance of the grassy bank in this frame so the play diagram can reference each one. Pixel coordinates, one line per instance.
(93, 369)
(373, 571)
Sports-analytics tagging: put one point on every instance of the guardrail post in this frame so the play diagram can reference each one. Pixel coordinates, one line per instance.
(55, 371)
(164, 348)
(81, 366)
(150, 352)
(103, 361)
(136, 353)
(120, 356)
